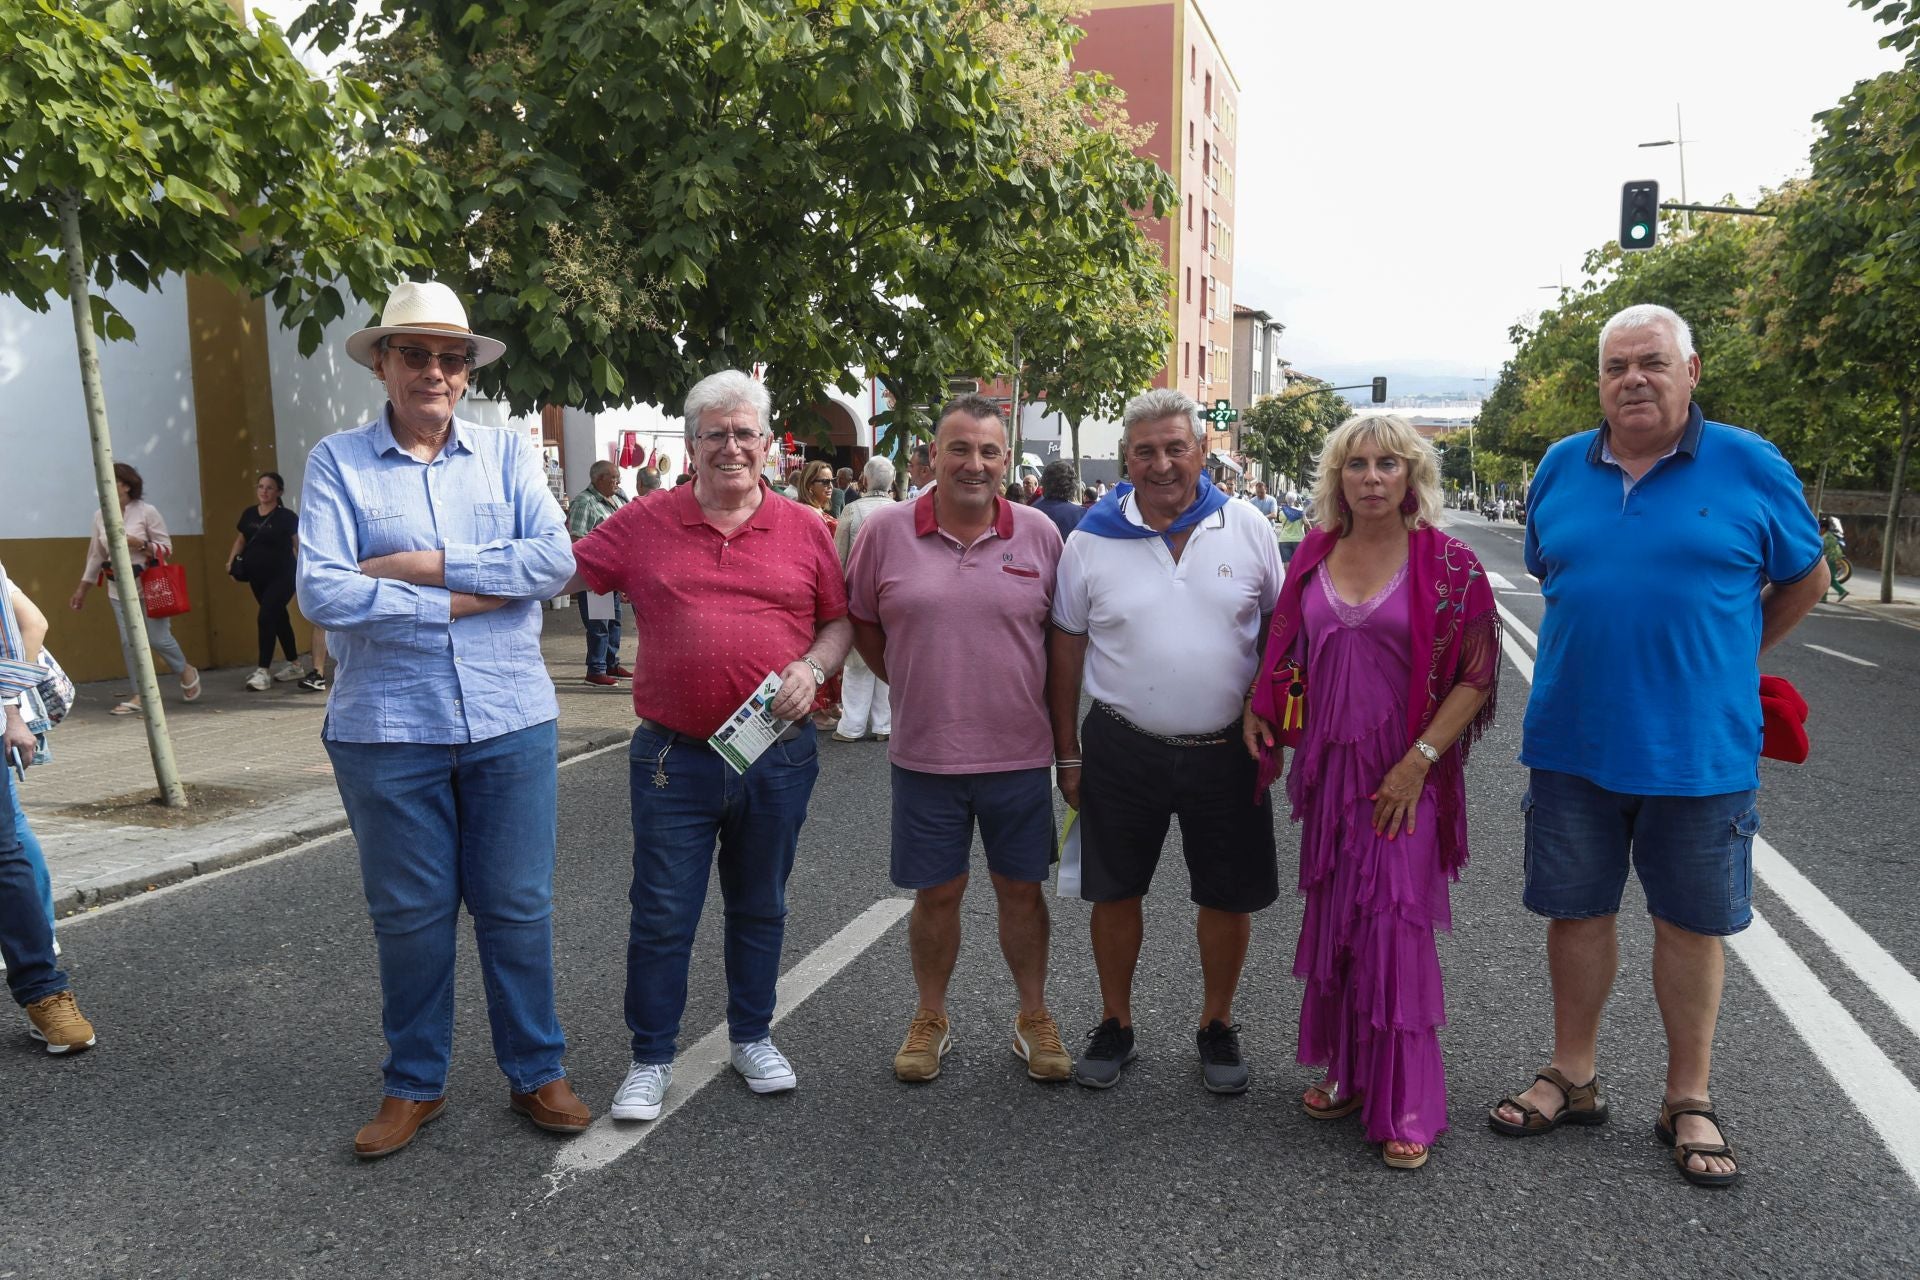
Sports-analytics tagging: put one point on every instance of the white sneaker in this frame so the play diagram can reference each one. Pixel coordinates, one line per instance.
(765, 1068)
(640, 1094)
(260, 680)
(286, 671)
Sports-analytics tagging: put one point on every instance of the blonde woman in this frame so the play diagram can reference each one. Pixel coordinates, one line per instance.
(1382, 659)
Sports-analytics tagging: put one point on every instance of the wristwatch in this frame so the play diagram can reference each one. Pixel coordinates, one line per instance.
(819, 672)
(1426, 749)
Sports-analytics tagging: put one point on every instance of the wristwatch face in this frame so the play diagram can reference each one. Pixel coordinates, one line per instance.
(819, 675)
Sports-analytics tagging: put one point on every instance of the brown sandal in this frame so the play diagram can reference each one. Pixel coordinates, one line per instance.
(1336, 1107)
(1583, 1104)
(1664, 1129)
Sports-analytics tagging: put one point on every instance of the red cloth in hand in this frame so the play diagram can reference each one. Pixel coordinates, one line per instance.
(1783, 712)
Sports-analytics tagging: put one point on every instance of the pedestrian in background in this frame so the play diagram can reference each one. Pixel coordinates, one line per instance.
(961, 583)
(588, 509)
(1262, 501)
(430, 544)
(147, 537)
(919, 471)
(1391, 625)
(1163, 603)
(263, 555)
(816, 490)
(36, 982)
(843, 490)
(865, 698)
(727, 585)
(1058, 485)
(1643, 732)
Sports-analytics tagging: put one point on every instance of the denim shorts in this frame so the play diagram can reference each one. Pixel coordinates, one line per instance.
(934, 813)
(1693, 854)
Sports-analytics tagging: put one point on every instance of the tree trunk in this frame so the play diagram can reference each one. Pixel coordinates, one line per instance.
(1889, 559)
(1820, 488)
(1075, 427)
(131, 611)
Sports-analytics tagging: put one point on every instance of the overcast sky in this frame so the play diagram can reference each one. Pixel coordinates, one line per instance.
(1411, 172)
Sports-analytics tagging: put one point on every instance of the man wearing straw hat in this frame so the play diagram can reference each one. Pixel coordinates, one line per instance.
(441, 726)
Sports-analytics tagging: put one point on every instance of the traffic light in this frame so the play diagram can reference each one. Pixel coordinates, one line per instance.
(1639, 214)
(1379, 390)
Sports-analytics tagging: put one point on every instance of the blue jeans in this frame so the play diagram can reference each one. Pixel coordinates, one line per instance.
(603, 637)
(438, 826)
(35, 855)
(26, 930)
(755, 819)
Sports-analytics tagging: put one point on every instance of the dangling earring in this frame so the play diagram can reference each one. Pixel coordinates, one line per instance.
(1409, 504)
(1345, 510)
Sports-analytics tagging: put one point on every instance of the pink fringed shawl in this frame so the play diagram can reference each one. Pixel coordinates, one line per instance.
(1456, 640)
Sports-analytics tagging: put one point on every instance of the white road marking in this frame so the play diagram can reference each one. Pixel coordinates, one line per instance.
(1499, 581)
(1878, 1090)
(606, 1141)
(1515, 625)
(1820, 648)
(1535, 594)
(1517, 656)
(1870, 962)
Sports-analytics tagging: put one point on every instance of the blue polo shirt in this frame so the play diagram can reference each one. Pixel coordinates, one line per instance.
(1647, 678)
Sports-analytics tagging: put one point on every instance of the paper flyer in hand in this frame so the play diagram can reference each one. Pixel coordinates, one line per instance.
(752, 729)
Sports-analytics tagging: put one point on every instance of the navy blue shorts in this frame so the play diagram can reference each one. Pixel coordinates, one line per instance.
(934, 813)
(1693, 854)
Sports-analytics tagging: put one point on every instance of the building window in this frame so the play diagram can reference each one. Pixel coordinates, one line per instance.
(1189, 284)
(1193, 61)
(1186, 358)
(1189, 210)
(1206, 96)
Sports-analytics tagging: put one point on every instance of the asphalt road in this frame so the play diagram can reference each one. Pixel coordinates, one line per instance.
(209, 1134)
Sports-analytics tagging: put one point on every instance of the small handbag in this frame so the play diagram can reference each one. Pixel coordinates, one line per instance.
(237, 570)
(163, 588)
(56, 689)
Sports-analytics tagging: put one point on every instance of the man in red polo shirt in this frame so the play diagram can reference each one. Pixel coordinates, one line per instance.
(727, 587)
(949, 595)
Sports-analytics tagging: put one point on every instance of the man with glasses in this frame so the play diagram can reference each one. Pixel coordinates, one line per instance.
(1163, 598)
(728, 587)
(441, 723)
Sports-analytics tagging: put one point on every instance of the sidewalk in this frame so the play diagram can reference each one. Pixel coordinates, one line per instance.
(1863, 592)
(252, 763)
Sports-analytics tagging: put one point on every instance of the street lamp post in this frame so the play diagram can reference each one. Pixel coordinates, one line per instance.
(1678, 140)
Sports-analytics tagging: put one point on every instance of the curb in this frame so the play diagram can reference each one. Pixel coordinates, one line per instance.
(244, 847)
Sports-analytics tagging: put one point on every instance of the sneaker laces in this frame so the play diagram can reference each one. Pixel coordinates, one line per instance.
(1106, 1040)
(644, 1077)
(1042, 1033)
(1221, 1046)
(762, 1058)
(59, 1010)
(923, 1033)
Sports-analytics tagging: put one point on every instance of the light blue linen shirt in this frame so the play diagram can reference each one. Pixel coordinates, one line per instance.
(404, 669)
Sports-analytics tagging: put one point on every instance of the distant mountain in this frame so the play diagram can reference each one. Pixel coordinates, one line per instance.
(1402, 381)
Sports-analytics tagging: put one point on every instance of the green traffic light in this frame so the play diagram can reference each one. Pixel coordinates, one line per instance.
(1639, 231)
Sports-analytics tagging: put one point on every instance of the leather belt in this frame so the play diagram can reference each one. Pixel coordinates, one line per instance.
(791, 732)
(1217, 738)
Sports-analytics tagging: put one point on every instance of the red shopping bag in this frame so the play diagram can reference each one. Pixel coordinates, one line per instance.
(163, 587)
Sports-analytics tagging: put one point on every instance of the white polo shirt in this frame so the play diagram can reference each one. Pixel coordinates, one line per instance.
(1171, 645)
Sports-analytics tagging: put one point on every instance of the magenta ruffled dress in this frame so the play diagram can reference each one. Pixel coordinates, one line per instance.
(1373, 1004)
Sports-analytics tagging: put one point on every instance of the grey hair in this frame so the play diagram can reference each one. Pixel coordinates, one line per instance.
(1152, 406)
(1646, 315)
(602, 467)
(878, 474)
(725, 390)
(646, 481)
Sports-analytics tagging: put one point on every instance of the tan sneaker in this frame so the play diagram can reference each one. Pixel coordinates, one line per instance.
(1036, 1040)
(927, 1042)
(58, 1024)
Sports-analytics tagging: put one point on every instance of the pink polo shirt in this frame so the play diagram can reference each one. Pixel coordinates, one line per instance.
(966, 635)
(714, 613)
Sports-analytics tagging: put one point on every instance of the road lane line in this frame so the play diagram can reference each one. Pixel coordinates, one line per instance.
(1879, 1091)
(1820, 648)
(1898, 989)
(606, 1141)
(1514, 624)
(1520, 593)
(1499, 581)
(1517, 656)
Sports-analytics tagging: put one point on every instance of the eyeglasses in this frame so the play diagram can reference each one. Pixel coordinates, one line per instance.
(819, 480)
(745, 437)
(417, 358)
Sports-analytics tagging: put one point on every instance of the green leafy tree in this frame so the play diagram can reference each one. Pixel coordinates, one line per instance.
(1839, 298)
(643, 193)
(139, 140)
(1284, 432)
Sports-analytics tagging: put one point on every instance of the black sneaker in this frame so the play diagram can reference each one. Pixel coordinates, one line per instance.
(314, 682)
(1221, 1065)
(1109, 1048)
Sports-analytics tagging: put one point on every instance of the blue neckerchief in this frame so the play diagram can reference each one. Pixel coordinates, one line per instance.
(1105, 519)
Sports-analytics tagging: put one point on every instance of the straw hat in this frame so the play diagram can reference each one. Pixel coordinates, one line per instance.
(427, 308)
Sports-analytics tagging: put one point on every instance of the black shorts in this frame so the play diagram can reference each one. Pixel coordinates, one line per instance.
(1131, 787)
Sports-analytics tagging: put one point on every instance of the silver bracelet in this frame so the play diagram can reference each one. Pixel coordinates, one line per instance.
(1066, 764)
(1425, 748)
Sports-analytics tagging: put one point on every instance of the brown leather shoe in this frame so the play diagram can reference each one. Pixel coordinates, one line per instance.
(394, 1125)
(554, 1107)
